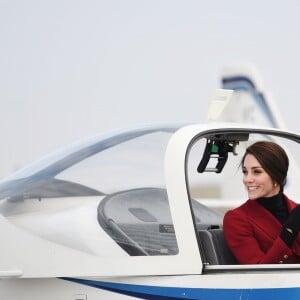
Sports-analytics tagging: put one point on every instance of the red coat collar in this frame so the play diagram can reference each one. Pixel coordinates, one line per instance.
(263, 219)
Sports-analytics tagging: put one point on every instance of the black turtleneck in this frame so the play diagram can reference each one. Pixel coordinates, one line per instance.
(276, 206)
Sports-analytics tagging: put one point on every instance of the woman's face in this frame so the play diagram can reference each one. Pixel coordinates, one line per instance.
(257, 181)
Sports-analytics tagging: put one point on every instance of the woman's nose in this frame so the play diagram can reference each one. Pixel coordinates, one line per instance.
(248, 178)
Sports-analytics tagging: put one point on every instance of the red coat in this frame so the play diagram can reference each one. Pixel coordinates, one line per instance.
(252, 234)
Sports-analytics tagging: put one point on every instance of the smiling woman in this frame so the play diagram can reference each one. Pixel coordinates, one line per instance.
(264, 229)
(265, 166)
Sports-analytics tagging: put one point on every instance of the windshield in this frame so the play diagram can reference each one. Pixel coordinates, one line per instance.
(99, 166)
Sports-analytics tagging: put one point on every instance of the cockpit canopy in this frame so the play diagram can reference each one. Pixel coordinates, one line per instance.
(119, 180)
(98, 166)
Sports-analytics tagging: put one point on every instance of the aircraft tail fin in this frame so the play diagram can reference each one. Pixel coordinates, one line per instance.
(249, 102)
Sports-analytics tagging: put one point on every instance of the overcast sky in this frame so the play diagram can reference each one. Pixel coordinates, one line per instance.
(70, 69)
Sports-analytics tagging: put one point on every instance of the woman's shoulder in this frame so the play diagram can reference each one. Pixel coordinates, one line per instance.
(238, 216)
(244, 206)
(242, 210)
(291, 204)
(289, 200)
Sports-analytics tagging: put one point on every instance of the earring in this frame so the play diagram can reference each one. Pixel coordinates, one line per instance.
(275, 185)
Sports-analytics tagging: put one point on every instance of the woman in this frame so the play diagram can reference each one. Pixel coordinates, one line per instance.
(264, 230)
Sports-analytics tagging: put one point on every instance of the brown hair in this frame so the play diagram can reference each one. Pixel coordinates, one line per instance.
(272, 158)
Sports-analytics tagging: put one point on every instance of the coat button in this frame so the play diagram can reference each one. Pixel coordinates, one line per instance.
(285, 256)
(281, 262)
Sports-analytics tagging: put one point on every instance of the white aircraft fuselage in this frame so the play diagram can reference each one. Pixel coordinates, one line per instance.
(138, 214)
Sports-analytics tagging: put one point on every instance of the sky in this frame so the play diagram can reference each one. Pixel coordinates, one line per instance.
(71, 69)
